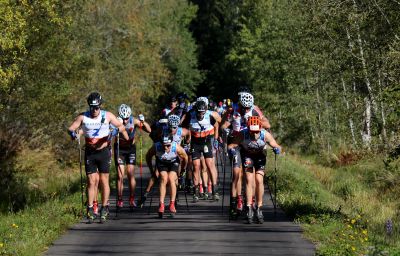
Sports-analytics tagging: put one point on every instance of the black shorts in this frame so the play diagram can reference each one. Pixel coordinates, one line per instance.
(126, 156)
(204, 148)
(97, 160)
(258, 162)
(236, 161)
(167, 166)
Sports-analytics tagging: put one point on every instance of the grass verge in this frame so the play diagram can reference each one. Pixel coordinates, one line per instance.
(342, 209)
(31, 231)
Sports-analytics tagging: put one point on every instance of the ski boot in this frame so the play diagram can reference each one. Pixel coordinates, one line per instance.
(172, 209)
(259, 216)
(104, 212)
(161, 210)
(120, 204)
(250, 214)
(90, 215)
(95, 208)
(143, 200)
(196, 194)
(239, 205)
(132, 204)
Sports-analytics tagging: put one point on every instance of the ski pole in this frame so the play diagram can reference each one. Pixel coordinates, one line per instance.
(275, 177)
(141, 160)
(80, 168)
(223, 182)
(116, 155)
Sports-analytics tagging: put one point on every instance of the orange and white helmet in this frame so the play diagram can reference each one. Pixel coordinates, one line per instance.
(254, 123)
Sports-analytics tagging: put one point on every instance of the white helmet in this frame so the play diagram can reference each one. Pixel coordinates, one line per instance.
(174, 120)
(124, 111)
(203, 99)
(246, 100)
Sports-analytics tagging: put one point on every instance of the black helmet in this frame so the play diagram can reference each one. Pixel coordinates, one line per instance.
(94, 99)
(201, 106)
(181, 97)
(172, 99)
(244, 89)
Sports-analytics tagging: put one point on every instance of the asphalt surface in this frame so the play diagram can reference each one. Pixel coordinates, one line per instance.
(201, 229)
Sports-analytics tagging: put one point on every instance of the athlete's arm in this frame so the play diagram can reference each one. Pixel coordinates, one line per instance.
(271, 141)
(146, 126)
(225, 122)
(216, 130)
(186, 135)
(186, 121)
(149, 155)
(182, 155)
(216, 116)
(264, 121)
(120, 126)
(76, 124)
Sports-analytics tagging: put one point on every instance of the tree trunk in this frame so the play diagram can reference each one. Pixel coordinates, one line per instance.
(351, 124)
(366, 132)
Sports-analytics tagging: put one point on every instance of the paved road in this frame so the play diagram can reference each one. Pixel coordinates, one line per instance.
(201, 231)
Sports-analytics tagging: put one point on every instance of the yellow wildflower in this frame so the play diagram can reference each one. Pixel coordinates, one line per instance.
(353, 221)
(366, 239)
(351, 237)
(1, 245)
(14, 225)
(349, 226)
(358, 216)
(365, 232)
(353, 248)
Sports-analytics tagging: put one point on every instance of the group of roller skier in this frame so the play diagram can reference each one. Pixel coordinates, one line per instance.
(187, 139)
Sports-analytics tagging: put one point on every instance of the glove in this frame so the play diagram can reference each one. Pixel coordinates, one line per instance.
(276, 151)
(232, 151)
(73, 135)
(216, 144)
(141, 118)
(186, 147)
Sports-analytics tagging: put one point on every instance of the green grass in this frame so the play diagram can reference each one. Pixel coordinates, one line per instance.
(342, 209)
(31, 231)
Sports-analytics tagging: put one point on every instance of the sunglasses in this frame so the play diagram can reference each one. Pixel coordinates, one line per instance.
(94, 107)
(174, 127)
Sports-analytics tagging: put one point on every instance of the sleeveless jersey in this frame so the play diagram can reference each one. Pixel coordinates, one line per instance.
(250, 146)
(177, 137)
(166, 157)
(239, 122)
(203, 128)
(130, 129)
(95, 130)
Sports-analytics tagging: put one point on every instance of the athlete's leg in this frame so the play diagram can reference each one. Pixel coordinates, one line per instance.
(92, 189)
(259, 180)
(163, 185)
(121, 174)
(172, 177)
(131, 178)
(196, 172)
(249, 187)
(105, 188)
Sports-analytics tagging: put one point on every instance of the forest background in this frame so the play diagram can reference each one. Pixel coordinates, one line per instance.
(326, 74)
